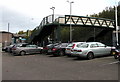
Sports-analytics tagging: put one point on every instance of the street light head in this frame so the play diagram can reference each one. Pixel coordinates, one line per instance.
(69, 1)
(52, 8)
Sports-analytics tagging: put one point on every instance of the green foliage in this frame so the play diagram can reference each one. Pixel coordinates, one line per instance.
(21, 32)
(65, 34)
(79, 32)
(108, 13)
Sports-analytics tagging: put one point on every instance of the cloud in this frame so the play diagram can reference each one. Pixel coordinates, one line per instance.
(17, 21)
(27, 14)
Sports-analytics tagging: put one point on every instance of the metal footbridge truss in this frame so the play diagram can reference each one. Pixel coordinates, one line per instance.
(48, 24)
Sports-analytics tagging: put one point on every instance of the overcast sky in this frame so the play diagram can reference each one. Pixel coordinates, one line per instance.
(27, 14)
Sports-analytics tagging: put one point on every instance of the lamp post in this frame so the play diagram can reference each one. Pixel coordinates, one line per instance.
(8, 41)
(70, 19)
(53, 13)
(116, 24)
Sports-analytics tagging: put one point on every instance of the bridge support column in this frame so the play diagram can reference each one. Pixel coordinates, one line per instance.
(57, 34)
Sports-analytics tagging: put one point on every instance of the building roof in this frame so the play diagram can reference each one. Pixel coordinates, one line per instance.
(19, 35)
(5, 32)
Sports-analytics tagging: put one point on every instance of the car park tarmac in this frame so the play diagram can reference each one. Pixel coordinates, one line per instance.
(48, 67)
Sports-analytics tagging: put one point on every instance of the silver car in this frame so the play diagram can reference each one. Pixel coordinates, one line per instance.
(29, 49)
(72, 46)
(90, 50)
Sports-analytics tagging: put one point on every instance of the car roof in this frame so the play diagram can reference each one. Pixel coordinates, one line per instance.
(77, 42)
(92, 42)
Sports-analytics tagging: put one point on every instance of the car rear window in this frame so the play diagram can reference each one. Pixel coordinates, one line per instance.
(84, 46)
(78, 45)
(70, 45)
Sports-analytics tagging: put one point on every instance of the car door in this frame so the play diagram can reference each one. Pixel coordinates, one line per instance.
(103, 49)
(30, 49)
(95, 49)
(26, 49)
(37, 49)
(34, 49)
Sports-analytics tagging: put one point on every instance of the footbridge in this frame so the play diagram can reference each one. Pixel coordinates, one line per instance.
(56, 28)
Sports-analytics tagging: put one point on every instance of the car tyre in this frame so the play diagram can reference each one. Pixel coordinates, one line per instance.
(61, 53)
(116, 56)
(22, 53)
(69, 55)
(90, 56)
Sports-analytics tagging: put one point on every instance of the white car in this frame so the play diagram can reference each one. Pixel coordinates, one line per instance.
(90, 50)
(72, 46)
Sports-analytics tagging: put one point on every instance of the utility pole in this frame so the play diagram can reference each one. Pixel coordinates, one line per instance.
(116, 24)
(8, 34)
(8, 31)
(8, 26)
(53, 8)
(70, 19)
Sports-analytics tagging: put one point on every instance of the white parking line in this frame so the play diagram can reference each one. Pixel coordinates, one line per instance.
(110, 63)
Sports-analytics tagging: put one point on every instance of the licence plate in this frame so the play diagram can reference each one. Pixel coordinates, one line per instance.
(74, 52)
(49, 51)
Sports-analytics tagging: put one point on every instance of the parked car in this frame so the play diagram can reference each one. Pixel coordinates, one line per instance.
(12, 46)
(59, 50)
(48, 49)
(116, 54)
(9, 48)
(72, 46)
(29, 49)
(90, 50)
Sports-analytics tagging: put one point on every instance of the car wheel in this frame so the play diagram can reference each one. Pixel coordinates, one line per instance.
(90, 56)
(116, 56)
(22, 53)
(41, 51)
(61, 53)
(69, 55)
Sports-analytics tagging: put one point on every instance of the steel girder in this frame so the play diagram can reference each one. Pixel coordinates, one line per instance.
(74, 20)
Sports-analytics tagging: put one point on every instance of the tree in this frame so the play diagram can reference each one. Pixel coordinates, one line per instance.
(21, 32)
(108, 13)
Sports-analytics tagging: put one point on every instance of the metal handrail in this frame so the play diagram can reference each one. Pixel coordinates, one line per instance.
(75, 20)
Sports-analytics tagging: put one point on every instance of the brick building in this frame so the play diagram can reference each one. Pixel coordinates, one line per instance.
(5, 38)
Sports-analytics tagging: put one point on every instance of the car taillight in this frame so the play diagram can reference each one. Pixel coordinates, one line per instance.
(13, 48)
(119, 53)
(54, 49)
(45, 48)
(68, 49)
(73, 46)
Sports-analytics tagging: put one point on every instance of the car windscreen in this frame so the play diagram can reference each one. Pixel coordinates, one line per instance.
(31, 46)
(11, 45)
(21, 45)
